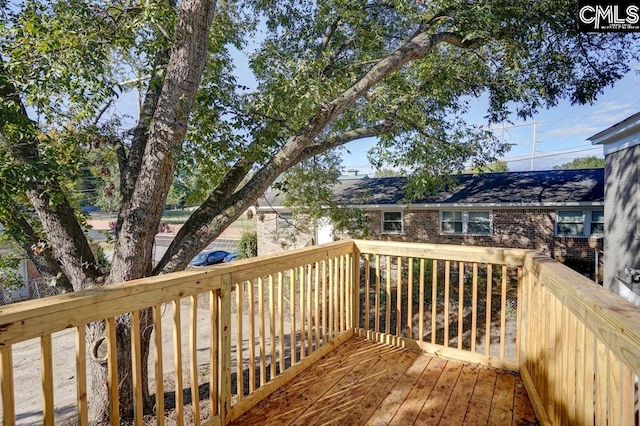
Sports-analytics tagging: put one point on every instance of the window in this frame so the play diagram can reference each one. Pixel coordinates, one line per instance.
(597, 222)
(466, 222)
(579, 223)
(392, 223)
(570, 223)
(479, 223)
(284, 221)
(452, 223)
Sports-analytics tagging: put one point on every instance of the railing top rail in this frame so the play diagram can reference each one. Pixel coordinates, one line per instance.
(612, 319)
(34, 318)
(492, 255)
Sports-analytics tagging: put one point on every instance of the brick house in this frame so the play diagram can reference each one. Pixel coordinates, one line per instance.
(559, 212)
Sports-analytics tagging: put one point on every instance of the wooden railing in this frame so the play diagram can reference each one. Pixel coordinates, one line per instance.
(580, 347)
(236, 332)
(453, 301)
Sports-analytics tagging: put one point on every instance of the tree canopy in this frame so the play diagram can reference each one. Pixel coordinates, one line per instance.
(497, 167)
(591, 162)
(388, 173)
(327, 72)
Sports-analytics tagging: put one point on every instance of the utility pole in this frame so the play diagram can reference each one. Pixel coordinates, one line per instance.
(533, 146)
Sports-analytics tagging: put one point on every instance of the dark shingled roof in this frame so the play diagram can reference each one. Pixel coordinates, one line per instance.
(510, 188)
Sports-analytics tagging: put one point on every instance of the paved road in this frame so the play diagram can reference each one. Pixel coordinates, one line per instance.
(163, 241)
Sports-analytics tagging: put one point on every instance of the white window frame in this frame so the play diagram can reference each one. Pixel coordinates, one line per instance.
(382, 222)
(586, 220)
(598, 234)
(465, 223)
(284, 221)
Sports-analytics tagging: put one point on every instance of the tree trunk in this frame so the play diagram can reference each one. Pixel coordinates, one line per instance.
(141, 212)
(99, 378)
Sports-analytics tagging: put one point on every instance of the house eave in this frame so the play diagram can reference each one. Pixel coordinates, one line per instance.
(622, 135)
(432, 206)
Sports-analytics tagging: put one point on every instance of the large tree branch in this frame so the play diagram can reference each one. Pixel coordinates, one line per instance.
(40, 254)
(130, 165)
(218, 217)
(129, 173)
(199, 230)
(331, 29)
(207, 209)
(49, 201)
(335, 141)
(140, 215)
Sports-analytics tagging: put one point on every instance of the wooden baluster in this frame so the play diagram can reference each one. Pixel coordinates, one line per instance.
(136, 359)
(303, 337)
(281, 321)
(589, 377)
(193, 348)
(460, 303)
(447, 271)
(6, 383)
(602, 388)
(343, 291)
(336, 297)
(367, 291)
(503, 311)
(261, 330)
(112, 365)
(225, 349)
(47, 379)
(252, 337)
(214, 365)
(410, 299)
(316, 311)
(272, 325)
(421, 303)
(487, 326)
(627, 394)
(177, 358)
(377, 296)
(239, 340)
(399, 298)
(387, 323)
(157, 359)
(434, 299)
(474, 308)
(81, 374)
(292, 304)
(325, 299)
(330, 300)
(309, 310)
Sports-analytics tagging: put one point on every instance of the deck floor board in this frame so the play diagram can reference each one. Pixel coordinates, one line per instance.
(366, 383)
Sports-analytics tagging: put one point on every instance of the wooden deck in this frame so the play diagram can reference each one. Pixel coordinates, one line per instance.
(365, 383)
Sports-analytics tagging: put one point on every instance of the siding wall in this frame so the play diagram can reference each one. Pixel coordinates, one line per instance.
(621, 194)
(272, 241)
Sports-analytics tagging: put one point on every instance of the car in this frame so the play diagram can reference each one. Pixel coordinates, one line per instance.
(207, 258)
(231, 257)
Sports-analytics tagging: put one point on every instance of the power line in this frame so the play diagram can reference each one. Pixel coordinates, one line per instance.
(526, 157)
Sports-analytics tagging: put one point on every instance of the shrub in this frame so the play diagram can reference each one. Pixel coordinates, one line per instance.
(248, 245)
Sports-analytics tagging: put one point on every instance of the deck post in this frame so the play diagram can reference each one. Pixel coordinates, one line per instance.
(355, 286)
(224, 387)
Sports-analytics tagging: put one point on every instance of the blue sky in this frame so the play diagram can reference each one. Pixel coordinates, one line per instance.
(561, 132)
